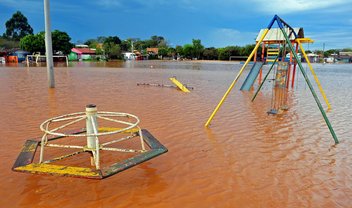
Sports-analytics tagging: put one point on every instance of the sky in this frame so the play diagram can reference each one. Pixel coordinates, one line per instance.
(217, 23)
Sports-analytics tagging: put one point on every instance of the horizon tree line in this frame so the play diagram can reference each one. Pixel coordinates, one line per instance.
(19, 34)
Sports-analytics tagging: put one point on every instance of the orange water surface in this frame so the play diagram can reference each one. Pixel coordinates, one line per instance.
(245, 159)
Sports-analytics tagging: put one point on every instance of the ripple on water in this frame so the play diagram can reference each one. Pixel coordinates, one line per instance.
(246, 158)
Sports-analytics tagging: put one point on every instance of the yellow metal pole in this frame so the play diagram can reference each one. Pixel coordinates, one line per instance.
(237, 77)
(314, 74)
(179, 84)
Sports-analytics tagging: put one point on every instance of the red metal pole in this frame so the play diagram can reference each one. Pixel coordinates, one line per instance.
(294, 69)
(289, 70)
(255, 56)
(261, 71)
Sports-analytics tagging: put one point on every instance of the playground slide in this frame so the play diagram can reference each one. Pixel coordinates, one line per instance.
(252, 76)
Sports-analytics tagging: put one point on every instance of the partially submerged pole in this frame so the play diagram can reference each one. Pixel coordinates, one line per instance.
(310, 86)
(48, 46)
(92, 128)
(237, 77)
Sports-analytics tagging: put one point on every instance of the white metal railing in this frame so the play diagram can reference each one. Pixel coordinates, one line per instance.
(92, 133)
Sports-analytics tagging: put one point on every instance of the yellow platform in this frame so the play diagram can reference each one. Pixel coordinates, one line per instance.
(59, 170)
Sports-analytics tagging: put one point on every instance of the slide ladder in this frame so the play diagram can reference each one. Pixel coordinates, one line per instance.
(252, 76)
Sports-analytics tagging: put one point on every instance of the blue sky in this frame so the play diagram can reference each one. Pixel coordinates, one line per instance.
(217, 23)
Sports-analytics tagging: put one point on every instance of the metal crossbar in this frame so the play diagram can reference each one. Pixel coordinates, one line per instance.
(92, 134)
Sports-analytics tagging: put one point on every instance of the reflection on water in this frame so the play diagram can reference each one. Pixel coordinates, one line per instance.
(246, 158)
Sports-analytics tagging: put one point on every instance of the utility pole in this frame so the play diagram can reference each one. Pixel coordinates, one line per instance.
(49, 46)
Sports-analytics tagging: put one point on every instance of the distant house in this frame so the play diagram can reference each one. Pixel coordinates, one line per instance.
(345, 57)
(313, 58)
(81, 54)
(152, 51)
(129, 56)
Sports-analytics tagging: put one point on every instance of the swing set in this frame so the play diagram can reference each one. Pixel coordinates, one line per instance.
(278, 42)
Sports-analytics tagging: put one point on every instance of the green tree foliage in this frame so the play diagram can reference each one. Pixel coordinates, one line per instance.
(346, 50)
(225, 53)
(171, 52)
(112, 50)
(33, 43)
(17, 27)
(36, 43)
(163, 51)
(330, 52)
(8, 44)
(61, 42)
(210, 53)
(197, 48)
(140, 45)
(112, 39)
(155, 42)
(179, 50)
(247, 50)
(188, 51)
(125, 45)
(91, 43)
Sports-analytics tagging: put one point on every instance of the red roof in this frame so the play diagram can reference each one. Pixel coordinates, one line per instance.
(83, 50)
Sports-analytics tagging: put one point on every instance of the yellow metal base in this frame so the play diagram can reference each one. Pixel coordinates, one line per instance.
(59, 170)
(24, 162)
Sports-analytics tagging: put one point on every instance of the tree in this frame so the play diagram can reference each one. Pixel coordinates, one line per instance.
(17, 27)
(7, 44)
(330, 52)
(247, 50)
(347, 50)
(125, 45)
(33, 43)
(36, 43)
(139, 45)
(61, 42)
(112, 39)
(210, 53)
(92, 43)
(112, 50)
(179, 50)
(162, 51)
(155, 42)
(197, 48)
(171, 52)
(223, 54)
(188, 51)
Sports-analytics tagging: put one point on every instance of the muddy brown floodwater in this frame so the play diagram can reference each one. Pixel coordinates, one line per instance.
(245, 159)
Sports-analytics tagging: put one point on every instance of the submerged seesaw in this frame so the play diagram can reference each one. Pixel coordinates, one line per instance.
(127, 130)
(177, 83)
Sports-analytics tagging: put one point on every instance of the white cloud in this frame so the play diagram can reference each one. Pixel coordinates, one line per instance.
(222, 37)
(290, 6)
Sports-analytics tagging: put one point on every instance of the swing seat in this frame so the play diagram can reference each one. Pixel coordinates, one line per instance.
(272, 112)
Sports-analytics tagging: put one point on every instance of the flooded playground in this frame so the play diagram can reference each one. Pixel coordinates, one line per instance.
(246, 158)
